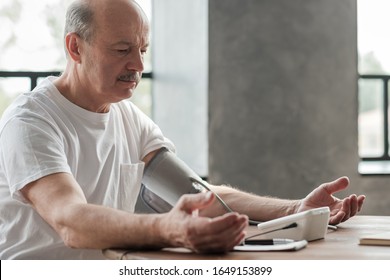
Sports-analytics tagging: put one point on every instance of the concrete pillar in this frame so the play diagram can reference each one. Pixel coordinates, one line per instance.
(283, 93)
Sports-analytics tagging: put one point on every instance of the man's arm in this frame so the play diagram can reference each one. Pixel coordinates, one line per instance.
(258, 208)
(61, 203)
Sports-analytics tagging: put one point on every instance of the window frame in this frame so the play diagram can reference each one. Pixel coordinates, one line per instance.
(379, 165)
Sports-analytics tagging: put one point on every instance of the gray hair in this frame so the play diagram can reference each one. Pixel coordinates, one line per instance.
(79, 19)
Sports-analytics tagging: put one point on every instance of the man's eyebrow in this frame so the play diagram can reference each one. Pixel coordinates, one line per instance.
(121, 43)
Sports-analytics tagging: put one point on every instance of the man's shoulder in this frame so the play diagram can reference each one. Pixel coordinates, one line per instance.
(29, 105)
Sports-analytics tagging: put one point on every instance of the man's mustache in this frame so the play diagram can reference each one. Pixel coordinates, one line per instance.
(130, 77)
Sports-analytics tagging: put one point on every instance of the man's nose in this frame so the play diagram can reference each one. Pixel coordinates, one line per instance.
(136, 62)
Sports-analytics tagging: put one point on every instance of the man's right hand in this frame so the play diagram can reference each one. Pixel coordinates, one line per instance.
(183, 227)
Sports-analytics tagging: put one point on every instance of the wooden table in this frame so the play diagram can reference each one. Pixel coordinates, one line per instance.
(341, 244)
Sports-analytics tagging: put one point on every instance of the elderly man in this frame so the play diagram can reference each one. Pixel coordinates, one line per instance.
(73, 153)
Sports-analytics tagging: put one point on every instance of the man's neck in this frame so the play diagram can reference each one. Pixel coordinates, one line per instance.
(71, 88)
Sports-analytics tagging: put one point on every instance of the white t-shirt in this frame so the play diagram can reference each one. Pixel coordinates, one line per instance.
(43, 133)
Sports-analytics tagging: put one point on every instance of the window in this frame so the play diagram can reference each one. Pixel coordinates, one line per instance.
(31, 40)
(374, 70)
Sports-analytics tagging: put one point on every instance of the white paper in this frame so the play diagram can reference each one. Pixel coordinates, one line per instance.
(293, 246)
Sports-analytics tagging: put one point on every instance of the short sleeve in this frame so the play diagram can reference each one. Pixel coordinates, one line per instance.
(151, 137)
(30, 149)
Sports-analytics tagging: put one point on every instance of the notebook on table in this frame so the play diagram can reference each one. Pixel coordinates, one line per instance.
(382, 239)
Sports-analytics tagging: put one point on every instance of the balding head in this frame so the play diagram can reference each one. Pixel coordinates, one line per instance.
(85, 17)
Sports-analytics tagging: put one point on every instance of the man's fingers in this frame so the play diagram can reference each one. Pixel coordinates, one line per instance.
(228, 222)
(336, 219)
(191, 202)
(360, 201)
(353, 207)
(348, 209)
(220, 234)
(337, 185)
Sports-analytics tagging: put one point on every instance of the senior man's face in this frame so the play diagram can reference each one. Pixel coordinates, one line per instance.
(115, 57)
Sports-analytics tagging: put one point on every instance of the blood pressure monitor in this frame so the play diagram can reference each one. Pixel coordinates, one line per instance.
(307, 225)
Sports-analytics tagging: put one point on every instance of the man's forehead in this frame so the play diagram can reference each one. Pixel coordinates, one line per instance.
(129, 43)
(123, 21)
(120, 32)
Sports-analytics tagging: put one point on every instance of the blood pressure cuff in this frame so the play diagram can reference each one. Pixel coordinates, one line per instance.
(166, 178)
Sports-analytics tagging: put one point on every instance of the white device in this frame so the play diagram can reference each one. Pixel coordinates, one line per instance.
(307, 225)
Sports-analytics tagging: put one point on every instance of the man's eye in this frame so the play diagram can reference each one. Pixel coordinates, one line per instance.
(123, 51)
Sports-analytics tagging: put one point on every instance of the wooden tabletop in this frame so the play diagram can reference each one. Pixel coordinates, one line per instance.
(340, 244)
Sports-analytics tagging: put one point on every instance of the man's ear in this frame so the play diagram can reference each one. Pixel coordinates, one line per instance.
(72, 44)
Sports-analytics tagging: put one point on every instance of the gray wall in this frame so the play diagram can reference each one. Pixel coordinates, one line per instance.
(282, 92)
(283, 102)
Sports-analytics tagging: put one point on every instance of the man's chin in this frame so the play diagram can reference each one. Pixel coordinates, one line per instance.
(120, 95)
(127, 87)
